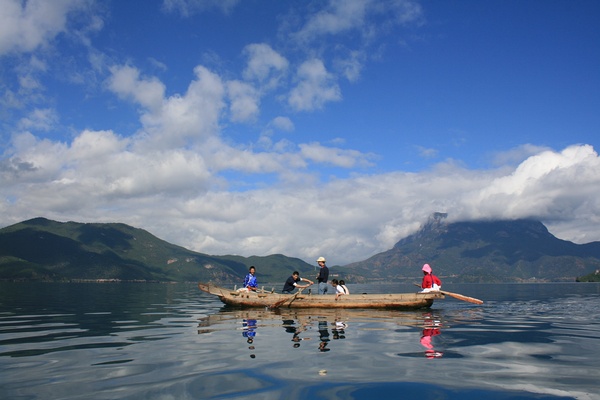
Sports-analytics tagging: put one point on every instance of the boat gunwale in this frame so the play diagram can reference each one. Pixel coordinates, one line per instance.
(399, 301)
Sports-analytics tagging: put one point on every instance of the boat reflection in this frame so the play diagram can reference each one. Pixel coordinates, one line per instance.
(322, 328)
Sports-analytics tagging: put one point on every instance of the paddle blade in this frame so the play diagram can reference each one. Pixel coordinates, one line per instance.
(462, 297)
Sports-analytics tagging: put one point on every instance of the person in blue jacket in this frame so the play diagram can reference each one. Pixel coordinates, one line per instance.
(250, 283)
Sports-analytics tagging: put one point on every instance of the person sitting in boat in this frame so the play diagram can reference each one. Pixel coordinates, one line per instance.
(340, 288)
(292, 283)
(343, 285)
(430, 281)
(250, 283)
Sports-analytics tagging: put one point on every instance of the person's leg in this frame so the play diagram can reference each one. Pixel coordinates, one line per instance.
(322, 288)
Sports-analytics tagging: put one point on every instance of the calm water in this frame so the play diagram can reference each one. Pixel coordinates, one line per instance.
(170, 341)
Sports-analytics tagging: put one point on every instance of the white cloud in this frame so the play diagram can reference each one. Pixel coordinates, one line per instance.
(172, 193)
(546, 185)
(315, 87)
(175, 120)
(339, 16)
(126, 82)
(39, 119)
(282, 123)
(264, 65)
(335, 156)
(244, 101)
(27, 25)
(90, 146)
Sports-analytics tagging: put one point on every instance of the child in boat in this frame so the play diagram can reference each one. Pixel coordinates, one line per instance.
(250, 283)
(430, 281)
(343, 285)
(340, 288)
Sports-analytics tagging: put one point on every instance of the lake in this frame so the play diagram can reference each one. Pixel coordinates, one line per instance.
(171, 341)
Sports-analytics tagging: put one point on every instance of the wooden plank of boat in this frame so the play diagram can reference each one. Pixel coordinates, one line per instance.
(396, 301)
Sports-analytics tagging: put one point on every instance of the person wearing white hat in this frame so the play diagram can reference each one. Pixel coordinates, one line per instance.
(323, 275)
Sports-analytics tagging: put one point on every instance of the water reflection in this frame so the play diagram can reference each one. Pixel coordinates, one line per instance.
(432, 327)
(323, 328)
(249, 332)
(339, 330)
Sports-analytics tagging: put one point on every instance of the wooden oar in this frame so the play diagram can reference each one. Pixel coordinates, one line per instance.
(281, 302)
(459, 296)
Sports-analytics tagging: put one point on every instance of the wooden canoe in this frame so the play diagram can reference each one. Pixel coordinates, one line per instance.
(391, 301)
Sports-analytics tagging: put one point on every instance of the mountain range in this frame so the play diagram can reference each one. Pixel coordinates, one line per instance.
(41, 249)
(481, 251)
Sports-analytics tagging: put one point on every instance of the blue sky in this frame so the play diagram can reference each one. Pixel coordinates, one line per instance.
(324, 128)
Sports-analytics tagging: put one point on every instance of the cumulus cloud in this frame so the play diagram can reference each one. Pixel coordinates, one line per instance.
(126, 82)
(353, 218)
(546, 185)
(173, 121)
(174, 194)
(244, 101)
(315, 87)
(282, 123)
(27, 25)
(264, 65)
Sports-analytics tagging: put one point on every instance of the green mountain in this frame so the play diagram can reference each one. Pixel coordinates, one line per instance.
(41, 249)
(483, 251)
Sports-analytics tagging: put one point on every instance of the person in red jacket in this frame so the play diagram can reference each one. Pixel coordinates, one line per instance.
(430, 281)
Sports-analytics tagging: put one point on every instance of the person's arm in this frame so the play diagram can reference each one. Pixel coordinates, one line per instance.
(305, 286)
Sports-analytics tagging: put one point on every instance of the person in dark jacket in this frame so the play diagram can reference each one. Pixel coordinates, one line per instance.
(323, 275)
(292, 283)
